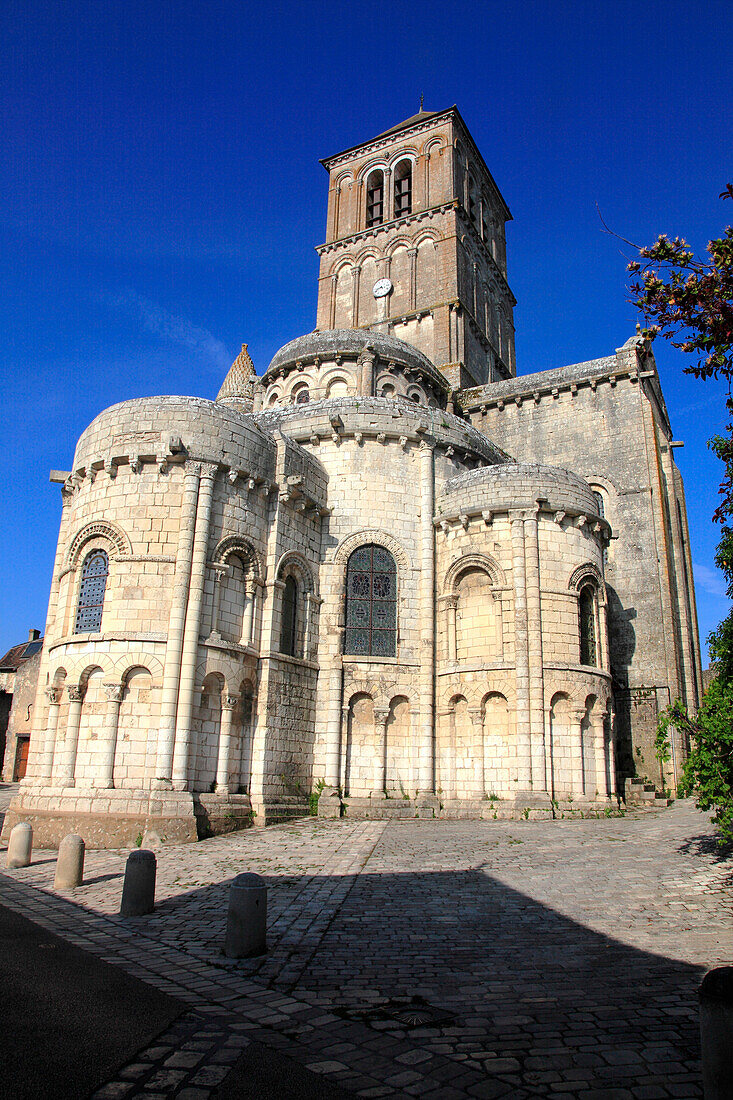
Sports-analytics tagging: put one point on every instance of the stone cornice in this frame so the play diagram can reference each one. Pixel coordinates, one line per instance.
(481, 398)
(396, 223)
(383, 140)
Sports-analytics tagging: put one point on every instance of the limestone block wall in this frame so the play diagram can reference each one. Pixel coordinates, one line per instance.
(516, 544)
(607, 421)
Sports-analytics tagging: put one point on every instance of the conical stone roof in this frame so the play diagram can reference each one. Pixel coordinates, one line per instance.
(240, 380)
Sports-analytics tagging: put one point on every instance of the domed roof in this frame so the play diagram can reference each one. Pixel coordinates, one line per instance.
(351, 342)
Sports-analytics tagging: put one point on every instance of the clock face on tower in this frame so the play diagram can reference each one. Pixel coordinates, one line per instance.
(381, 288)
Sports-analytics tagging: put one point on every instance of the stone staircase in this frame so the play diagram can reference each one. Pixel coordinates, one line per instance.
(640, 794)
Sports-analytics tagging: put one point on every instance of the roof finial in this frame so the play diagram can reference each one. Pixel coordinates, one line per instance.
(421, 99)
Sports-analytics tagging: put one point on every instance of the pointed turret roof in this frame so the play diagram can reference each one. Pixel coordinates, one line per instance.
(240, 379)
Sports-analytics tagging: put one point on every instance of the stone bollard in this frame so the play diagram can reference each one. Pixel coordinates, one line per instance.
(716, 1033)
(247, 918)
(20, 845)
(70, 863)
(138, 891)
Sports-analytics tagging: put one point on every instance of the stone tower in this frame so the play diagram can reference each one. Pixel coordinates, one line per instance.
(415, 247)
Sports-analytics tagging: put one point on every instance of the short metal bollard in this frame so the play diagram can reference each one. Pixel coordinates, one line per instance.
(716, 1033)
(138, 890)
(70, 863)
(246, 933)
(20, 845)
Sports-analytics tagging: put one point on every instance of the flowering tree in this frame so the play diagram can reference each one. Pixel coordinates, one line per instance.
(689, 301)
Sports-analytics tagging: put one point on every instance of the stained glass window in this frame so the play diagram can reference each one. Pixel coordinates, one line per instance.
(94, 575)
(289, 617)
(587, 613)
(371, 603)
(302, 396)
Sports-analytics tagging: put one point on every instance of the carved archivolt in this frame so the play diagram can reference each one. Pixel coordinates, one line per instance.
(365, 536)
(473, 561)
(300, 565)
(587, 572)
(235, 544)
(98, 529)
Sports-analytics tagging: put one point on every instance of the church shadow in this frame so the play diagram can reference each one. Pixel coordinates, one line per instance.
(461, 959)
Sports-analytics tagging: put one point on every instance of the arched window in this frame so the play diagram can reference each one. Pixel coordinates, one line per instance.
(375, 199)
(403, 189)
(302, 395)
(94, 575)
(601, 510)
(587, 616)
(288, 633)
(371, 603)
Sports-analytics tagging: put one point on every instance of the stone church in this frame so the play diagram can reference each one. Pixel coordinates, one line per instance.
(389, 573)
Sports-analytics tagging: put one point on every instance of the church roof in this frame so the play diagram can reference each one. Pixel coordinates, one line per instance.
(239, 381)
(19, 653)
(413, 120)
(331, 342)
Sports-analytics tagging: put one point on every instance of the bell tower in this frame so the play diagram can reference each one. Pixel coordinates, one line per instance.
(415, 247)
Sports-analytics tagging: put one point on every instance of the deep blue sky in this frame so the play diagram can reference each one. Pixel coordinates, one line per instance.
(161, 197)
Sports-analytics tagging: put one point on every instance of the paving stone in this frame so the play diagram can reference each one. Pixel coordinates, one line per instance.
(552, 958)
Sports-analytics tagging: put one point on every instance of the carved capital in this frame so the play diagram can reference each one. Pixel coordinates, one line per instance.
(54, 694)
(228, 702)
(76, 694)
(114, 692)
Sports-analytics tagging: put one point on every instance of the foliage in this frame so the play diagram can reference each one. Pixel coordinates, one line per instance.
(708, 770)
(689, 301)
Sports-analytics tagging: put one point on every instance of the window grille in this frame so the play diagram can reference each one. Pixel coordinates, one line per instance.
(403, 189)
(289, 617)
(94, 575)
(375, 199)
(371, 603)
(587, 614)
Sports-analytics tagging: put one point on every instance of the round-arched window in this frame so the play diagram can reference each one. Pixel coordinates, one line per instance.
(371, 603)
(288, 628)
(587, 615)
(302, 395)
(94, 573)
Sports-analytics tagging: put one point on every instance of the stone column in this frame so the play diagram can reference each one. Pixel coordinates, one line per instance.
(114, 693)
(54, 695)
(477, 718)
(71, 741)
(248, 619)
(424, 756)
(333, 726)
(599, 752)
(534, 652)
(367, 374)
(191, 630)
(355, 297)
(577, 714)
(521, 654)
(228, 705)
(219, 571)
(176, 621)
(412, 253)
(603, 632)
(683, 596)
(388, 197)
(450, 606)
(381, 718)
(332, 304)
(608, 728)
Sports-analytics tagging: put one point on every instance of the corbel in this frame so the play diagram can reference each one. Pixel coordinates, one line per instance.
(487, 517)
(559, 517)
(359, 437)
(464, 520)
(381, 437)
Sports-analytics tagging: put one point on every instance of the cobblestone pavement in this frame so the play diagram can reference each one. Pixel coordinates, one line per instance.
(442, 959)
